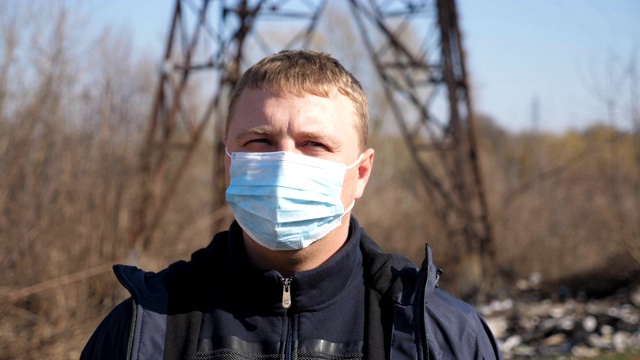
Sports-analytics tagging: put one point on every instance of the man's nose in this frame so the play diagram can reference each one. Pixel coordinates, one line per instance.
(287, 145)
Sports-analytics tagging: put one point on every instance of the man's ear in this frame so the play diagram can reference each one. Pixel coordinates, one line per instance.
(364, 171)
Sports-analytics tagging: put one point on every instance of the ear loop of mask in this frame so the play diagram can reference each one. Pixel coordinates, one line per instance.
(353, 203)
(355, 163)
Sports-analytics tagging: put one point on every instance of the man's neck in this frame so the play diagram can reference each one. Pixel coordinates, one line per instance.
(289, 262)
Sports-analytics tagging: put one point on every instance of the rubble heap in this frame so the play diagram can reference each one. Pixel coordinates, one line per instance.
(530, 327)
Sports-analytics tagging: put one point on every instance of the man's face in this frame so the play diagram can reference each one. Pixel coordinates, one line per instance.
(309, 125)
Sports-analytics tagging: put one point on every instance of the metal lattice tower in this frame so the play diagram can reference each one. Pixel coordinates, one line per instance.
(414, 48)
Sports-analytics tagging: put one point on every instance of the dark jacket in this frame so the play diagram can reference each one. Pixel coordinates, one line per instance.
(404, 315)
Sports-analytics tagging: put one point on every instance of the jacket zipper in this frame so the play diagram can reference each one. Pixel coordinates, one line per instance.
(286, 303)
(132, 330)
(286, 293)
(423, 277)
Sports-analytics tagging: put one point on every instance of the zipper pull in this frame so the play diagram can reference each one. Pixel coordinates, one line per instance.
(286, 293)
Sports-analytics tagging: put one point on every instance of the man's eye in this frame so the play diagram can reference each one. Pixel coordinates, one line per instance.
(315, 144)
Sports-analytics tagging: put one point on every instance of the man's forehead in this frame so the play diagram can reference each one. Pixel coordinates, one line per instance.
(259, 113)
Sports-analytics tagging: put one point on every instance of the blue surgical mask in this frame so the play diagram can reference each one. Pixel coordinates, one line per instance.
(284, 200)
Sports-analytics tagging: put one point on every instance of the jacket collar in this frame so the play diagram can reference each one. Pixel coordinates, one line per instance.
(310, 290)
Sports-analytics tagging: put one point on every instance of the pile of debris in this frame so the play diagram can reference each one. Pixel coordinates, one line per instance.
(531, 327)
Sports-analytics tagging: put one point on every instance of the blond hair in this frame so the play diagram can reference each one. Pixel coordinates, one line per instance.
(301, 72)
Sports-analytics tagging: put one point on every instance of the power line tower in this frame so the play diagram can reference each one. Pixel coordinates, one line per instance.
(415, 49)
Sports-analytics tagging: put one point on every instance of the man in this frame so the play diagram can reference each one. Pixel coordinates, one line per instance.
(295, 276)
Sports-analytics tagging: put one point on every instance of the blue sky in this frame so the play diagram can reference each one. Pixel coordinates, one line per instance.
(553, 51)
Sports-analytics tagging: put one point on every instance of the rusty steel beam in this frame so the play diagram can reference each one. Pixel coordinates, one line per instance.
(206, 41)
(477, 229)
(419, 75)
(416, 50)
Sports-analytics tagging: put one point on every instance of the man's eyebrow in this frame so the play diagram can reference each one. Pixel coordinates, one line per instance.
(324, 137)
(319, 136)
(315, 135)
(253, 131)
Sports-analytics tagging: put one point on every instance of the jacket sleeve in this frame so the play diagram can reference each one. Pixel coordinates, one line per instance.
(488, 347)
(111, 339)
(457, 331)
